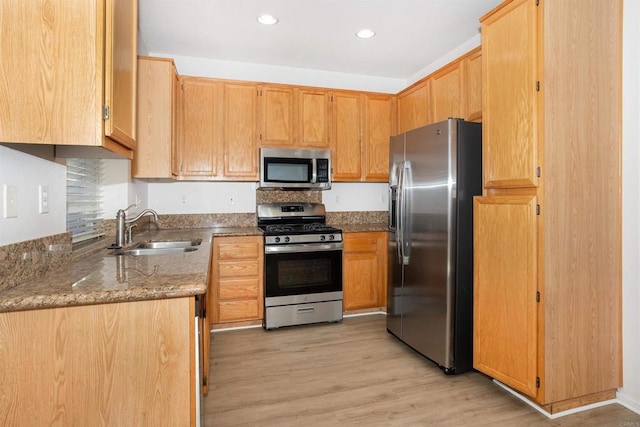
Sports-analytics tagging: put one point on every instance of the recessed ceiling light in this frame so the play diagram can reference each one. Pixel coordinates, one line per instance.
(267, 19)
(365, 33)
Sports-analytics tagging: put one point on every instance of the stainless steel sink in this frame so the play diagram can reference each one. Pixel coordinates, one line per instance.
(161, 247)
(167, 244)
(155, 251)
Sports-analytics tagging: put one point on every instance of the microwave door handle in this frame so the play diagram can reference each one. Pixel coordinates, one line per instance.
(314, 171)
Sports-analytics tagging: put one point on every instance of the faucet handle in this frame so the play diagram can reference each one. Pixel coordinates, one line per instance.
(122, 211)
(129, 233)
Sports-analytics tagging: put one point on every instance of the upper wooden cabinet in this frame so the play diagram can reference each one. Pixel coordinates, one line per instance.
(199, 143)
(548, 228)
(473, 85)
(70, 73)
(362, 124)
(314, 117)
(447, 95)
(217, 130)
(240, 142)
(510, 98)
(157, 85)
(379, 114)
(278, 127)
(413, 107)
(346, 135)
(452, 91)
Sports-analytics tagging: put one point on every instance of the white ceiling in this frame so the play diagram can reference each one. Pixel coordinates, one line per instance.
(314, 34)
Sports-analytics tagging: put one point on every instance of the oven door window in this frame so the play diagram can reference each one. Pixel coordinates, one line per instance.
(303, 273)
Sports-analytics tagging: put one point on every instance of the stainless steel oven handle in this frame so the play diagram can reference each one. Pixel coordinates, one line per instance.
(323, 247)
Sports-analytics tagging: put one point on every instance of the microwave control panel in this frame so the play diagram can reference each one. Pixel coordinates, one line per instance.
(322, 173)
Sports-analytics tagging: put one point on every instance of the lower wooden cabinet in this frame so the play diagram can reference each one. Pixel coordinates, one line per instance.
(236, 292)
(364, 270)
(129, 363)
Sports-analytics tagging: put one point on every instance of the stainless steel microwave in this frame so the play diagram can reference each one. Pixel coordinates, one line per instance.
(296, 169)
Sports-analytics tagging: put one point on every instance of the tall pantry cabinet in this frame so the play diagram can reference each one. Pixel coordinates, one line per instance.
(547, 230)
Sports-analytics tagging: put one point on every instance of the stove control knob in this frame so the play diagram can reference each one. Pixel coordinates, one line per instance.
(331, 237)
(277, 239)
(286, 239)
(322, 238)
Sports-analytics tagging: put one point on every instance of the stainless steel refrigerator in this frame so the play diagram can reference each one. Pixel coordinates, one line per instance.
(434, 173)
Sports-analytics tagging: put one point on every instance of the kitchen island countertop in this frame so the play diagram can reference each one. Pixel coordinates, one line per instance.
(102, 277)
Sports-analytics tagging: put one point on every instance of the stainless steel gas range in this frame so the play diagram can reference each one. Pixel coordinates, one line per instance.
(303, 265)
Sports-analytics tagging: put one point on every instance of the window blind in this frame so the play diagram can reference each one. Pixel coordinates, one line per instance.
(84, 198)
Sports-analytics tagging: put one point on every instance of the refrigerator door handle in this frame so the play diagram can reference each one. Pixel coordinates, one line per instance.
(399, 213)
(406, 212)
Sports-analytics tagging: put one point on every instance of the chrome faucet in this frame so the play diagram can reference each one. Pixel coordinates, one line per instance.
(122, 237)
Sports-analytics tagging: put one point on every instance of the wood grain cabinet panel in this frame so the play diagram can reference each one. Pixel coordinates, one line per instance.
(277, 116)
(505, 284)
(413, 107)
(236, 292)
(447, 95)
(346, 108)
(378, 127)
(199, 142)
(240, 141)
(510, 100)
(314, 117)
(473, 85)
(550, 135)
(110, 364)
(364, 270)
(157, 97)
(69, 70)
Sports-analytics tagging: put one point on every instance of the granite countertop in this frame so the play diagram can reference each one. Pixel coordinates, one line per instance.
(101, 277)
(361, 228)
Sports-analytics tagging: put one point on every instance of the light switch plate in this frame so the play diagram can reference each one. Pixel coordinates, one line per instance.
(10, 199)
(43, 198)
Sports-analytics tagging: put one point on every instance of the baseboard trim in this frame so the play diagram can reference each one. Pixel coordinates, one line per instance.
(628, 402)
(368, 313)
(557, 414)
(235, 328)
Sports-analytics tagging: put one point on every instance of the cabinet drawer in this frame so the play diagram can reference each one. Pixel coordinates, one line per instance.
(233, 311)
(244, 250)
(243, 288)
(238, 269)
(361, 244)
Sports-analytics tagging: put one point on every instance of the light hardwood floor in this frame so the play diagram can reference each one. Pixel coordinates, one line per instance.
(355, 373)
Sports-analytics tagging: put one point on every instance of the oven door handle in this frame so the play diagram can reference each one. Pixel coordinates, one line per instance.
(315, 247)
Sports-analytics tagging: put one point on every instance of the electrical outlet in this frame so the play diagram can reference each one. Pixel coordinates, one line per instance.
(337, 200)
(10, 197)
(184, 200)
(43, 198)
(232, 199)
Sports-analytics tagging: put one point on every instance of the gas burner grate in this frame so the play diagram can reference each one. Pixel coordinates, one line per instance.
(316, 226)
(278, 228)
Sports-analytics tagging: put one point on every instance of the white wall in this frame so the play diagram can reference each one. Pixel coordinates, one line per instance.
(190, 66)
(201, 197)
(629, 395)
(351, 196)
(27, 172)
